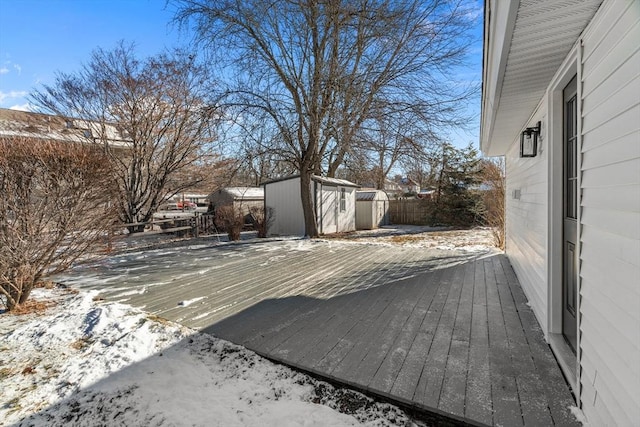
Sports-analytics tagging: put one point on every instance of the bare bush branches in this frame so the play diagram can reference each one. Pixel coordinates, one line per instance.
(494, 198)
(152, 116)
(55, 207)
(262, 219)
(231, 220)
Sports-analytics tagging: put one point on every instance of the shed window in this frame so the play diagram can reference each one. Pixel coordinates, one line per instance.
(343, 200)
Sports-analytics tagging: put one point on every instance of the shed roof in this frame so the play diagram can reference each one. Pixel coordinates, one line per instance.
(317, 178)
(245, 193)
(371, 195)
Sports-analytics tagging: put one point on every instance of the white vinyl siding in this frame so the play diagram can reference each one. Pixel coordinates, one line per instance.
(284, 198)
(527, 222)
(610, 217)
(288, 219)
(347, 217)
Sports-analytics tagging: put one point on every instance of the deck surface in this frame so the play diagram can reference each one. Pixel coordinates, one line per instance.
(446, 331)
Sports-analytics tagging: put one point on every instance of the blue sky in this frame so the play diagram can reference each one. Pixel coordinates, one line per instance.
(40, 37)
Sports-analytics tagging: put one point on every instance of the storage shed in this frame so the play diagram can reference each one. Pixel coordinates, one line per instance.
(334, 203)
(239, 197)
(372, 209)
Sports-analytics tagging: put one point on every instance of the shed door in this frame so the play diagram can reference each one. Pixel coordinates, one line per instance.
(570, 215)
(330, 209)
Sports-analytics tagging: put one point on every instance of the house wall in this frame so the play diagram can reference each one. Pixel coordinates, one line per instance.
(610, 216)
(284, 198)
(526, 212)
(607, 61)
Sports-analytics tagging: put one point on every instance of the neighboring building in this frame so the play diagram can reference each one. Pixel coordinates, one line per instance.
(393, 189)
(573, 208)
(36, 126)
(186, 202)
(372, 209)
(426, 194)
(407, 185)
(242, 198)
(334, 203)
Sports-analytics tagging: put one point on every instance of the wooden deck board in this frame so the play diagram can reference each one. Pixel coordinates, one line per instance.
(442, 330)
(430, 383)
(407, 381)
(388, 372)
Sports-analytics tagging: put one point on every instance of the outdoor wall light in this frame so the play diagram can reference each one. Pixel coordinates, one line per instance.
(529, 141)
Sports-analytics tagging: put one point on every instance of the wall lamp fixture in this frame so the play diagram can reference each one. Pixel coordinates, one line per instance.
(529, 141)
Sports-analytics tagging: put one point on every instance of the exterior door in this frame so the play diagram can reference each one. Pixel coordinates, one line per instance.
(570, 215)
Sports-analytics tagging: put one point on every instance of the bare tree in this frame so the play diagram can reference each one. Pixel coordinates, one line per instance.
(493, 198)
(319, 68)
(54, 209)
(258, 148)
(158, 110)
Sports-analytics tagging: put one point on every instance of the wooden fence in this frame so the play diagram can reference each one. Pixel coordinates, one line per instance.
(409, 211)
(195, 225)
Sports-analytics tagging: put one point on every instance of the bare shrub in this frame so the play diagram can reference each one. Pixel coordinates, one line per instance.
(231, 220)
(154, 115)
(262, 219)
(53, 209)
(493, 199)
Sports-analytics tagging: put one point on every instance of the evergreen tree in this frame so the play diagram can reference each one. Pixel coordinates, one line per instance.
(457, 199)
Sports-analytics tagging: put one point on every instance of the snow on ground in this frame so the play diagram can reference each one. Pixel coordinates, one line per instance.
(479, 239)
(88, 362)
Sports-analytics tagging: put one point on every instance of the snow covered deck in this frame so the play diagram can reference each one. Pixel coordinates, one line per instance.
(445, 331)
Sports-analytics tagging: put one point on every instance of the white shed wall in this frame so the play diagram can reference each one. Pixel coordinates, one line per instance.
(347, 218)
(327, 200)
(370, 214)
(364, 215)
(610, 216)
(334, 219)
(284, 198)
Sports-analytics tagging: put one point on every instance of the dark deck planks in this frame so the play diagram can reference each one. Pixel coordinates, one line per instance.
(454, 334)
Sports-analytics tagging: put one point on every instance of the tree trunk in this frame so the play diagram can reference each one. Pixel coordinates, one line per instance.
(306, 196)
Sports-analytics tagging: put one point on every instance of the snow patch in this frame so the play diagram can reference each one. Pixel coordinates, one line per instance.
(187, 303)
(95, 363)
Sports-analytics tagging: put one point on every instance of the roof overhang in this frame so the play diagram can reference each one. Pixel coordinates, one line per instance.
(525, 42)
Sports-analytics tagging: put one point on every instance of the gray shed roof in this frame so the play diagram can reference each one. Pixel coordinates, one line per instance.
(371, 195)
(242, 193)
(317, 178)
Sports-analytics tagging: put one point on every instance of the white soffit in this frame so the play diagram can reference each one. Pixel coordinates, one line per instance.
(543, 34)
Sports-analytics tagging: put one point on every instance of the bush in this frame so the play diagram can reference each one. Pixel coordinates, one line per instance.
(262, 220)
(231, 220)
(494, 199)
(53, 209)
